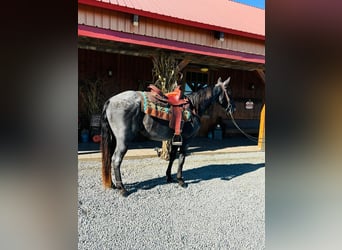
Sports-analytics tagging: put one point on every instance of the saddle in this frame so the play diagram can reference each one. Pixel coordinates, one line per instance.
(172, 98)
(178, 103)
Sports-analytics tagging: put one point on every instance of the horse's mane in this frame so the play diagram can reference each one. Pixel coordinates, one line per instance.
(201, 99)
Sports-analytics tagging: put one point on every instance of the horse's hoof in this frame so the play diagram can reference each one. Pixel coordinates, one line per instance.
(123, 192)
(182, 183)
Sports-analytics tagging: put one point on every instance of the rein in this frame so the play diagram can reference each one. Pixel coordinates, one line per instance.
(229, 110)
(252, 138)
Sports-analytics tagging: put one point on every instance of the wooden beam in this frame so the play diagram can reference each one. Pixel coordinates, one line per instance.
(183, 64)
(261, 74)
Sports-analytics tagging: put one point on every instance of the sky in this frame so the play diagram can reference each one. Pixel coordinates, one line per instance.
(255, 3)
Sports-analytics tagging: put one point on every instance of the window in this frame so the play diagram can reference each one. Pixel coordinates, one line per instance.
(195, 81)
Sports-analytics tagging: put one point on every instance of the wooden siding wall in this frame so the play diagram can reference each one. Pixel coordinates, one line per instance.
(128, 71)
(119, 21)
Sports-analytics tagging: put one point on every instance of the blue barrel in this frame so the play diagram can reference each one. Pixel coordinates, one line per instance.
(85, 136)
(218, 135)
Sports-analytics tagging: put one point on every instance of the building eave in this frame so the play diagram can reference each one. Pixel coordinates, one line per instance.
(95, 32)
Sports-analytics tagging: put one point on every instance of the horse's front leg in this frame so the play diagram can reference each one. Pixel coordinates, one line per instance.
(181, 160)
(171, 160)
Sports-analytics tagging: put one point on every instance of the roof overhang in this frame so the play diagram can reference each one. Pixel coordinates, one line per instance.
(129, 38)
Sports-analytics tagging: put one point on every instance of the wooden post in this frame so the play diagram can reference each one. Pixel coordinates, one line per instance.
(261, 139)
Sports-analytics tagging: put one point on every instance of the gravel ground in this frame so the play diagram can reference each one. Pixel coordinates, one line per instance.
(222, 207)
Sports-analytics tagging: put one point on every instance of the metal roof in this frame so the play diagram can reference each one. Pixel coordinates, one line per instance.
(221, 15)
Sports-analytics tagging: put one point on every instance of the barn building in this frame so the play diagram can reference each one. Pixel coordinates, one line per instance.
(117, 40)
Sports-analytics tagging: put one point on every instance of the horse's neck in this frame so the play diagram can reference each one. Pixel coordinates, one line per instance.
(203, 99)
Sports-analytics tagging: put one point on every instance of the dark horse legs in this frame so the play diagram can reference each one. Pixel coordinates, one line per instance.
(182, 152)
(117, 157)
(120, 151)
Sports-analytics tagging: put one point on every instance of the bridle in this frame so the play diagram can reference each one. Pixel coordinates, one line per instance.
(229, 108)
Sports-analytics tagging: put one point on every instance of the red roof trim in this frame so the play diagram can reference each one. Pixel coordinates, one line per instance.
(94, 32)
(125, 9)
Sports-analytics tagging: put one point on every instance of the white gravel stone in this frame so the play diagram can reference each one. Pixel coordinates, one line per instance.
(223, 206)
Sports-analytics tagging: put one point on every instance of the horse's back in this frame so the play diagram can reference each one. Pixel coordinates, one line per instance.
(125, 100)
(124, 108)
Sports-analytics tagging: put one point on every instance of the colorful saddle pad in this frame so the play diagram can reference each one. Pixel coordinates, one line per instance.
(161, 110)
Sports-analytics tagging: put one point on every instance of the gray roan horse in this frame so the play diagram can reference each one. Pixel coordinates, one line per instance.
(122, 120)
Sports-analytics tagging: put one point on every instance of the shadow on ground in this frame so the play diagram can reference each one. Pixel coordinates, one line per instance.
(224, 172)
(201, 144)
(198, 144)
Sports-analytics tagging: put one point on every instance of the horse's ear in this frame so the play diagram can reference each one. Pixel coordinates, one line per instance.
(219, 80)
(226, 82)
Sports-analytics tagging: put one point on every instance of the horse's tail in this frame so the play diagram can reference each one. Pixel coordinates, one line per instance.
(107, 147)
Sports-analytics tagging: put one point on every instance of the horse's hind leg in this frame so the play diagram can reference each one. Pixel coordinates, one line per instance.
(117, 157)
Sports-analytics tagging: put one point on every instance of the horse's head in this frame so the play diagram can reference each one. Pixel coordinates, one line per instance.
(224, 93)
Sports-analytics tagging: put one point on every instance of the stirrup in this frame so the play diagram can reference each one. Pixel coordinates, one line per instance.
(177, 140)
